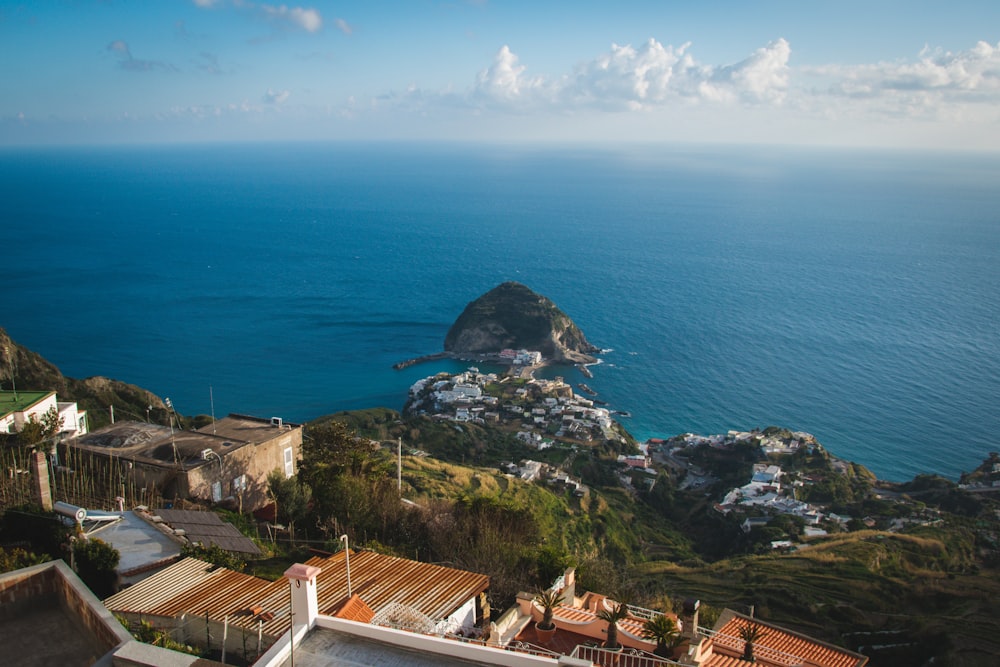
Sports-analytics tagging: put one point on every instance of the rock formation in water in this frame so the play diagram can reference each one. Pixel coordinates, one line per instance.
(513, 316)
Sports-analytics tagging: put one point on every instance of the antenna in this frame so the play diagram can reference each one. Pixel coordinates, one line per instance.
(211, 400)
(12, 365)
(170, 408)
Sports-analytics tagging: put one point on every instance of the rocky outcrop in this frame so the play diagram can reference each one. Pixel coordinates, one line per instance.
(513, 316)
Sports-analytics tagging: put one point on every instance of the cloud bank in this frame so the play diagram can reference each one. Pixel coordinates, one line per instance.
(627, 78)
(656, 76)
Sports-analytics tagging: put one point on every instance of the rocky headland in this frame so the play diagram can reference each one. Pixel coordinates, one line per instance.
(512, 316)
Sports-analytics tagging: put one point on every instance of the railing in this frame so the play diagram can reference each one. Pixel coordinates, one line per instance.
(643, 613)
(628, 657)
(516, 646)
(766, 652)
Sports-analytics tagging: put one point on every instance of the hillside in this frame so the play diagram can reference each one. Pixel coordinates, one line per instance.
(31, 372)
(513, 316)
(902, 595)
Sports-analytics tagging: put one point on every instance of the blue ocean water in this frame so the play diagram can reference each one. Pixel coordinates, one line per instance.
(854, 295)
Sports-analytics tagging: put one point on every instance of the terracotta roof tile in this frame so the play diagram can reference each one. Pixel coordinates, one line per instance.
(779, 647)
(355, 609)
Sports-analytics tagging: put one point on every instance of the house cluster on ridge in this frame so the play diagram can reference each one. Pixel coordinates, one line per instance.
(543, 410)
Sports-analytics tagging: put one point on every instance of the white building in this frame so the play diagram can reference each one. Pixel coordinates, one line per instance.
(18, 408)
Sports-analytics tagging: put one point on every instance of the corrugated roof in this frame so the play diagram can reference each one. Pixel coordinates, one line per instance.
(197, 588)
(379, 580)
(779, 647)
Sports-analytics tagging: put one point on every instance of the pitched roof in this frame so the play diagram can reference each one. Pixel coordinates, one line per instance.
(208, 529)
(776, 646)
(380, 580)
(355, 609)
(198, 588)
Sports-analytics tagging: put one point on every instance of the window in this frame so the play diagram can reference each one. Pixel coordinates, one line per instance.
(289, 462)
(239, 484)
(216, 492)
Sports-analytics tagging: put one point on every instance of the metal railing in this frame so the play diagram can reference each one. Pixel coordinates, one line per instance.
(514, 646)
(642, 613)
(626, 657)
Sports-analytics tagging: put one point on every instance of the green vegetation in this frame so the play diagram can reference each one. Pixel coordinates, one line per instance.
(97, 564)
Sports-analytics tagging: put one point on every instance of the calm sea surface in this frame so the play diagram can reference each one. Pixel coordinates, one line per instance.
(854, 295)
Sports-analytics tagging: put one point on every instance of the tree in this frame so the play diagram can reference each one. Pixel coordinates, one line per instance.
(750, 634)
(663, 630)
(332, 454)
(291, 499)
(617, 612)
(38, 432)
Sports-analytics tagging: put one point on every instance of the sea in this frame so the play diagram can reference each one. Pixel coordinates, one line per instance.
(852, 294)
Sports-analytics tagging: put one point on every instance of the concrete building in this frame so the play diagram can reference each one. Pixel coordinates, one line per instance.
(227, 460)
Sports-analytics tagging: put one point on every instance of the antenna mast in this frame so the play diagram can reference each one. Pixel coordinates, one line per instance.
(211, 399)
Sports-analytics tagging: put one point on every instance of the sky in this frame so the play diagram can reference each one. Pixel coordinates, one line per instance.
(889, 73)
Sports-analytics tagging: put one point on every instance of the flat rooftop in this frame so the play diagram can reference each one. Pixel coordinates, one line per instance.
(32, 633)
(142, 546)
(156, 445)
(329, 648)
(249, 429)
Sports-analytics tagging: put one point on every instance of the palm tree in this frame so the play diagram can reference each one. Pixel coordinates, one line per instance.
(548, 600)
(750, 633)
(612, 616)
(663, 630)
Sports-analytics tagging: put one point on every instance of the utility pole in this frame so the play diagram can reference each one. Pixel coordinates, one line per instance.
(399, 465)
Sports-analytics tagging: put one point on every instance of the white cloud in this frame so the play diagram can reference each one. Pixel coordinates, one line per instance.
(629, 78)
(307, 19)
(504, 81)
(626, 77)
(936, 85)
(344, 27)
(276, 96)
(974, 71)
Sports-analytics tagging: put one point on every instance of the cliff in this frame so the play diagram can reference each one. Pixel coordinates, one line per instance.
(32, 372)
(513, 316)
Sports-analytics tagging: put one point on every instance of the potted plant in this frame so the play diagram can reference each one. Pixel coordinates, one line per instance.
(663, 630)
(750, 633)
(612, 615)
(548, 600)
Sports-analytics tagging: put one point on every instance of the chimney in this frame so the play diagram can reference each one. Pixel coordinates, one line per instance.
(42, 490)
(689, 618)
(305, 609)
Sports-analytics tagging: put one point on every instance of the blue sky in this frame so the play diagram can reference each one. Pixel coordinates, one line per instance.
(888, 73)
